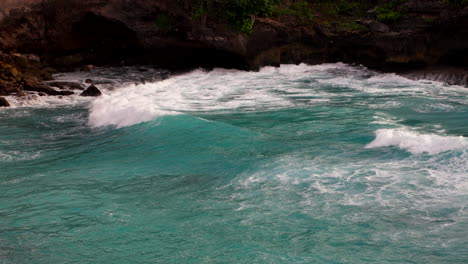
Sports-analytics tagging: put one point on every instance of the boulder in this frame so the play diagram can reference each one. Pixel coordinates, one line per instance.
(4, 102)
(91, 91)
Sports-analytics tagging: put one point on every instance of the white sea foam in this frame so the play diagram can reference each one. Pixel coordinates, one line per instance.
(218, 90)
(195, 91)
(417, 143)
(18, 156)
(34, 100)
(126, 103)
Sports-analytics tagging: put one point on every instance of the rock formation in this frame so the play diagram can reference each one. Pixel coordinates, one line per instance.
(69, 34)
(91, 91)
(4, 102)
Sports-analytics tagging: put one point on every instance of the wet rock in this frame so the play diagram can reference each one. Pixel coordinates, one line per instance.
(448, 75)
(64, 85)
(88, 68)
(4, 102)
(91, 91)
(20, 94)
(89, 81)
(40, 88)
(10, 79)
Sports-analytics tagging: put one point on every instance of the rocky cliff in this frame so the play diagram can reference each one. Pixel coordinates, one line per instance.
(66, 34)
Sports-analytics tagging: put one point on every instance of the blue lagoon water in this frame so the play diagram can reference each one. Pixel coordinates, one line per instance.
(296, 164)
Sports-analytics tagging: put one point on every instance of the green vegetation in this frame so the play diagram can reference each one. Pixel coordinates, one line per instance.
(341, 14)
(164, 22)
(241, 13)
(299, 9)
(428, 20)
(388, 13)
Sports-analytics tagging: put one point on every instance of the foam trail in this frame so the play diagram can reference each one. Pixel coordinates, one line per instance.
(417, 143)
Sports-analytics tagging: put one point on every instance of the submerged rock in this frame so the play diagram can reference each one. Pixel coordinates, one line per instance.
(40, 88)
(4, 102)
(449, 75)
(64, 85)
(91, 91)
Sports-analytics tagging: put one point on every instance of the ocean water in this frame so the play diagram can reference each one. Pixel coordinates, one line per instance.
(297, 164)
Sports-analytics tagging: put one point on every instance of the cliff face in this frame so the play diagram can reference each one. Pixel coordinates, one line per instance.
(71, 33)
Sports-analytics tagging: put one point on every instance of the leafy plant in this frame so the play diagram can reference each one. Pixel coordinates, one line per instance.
(428, 20)
(300, 9)
(241, 13)
(386, 15)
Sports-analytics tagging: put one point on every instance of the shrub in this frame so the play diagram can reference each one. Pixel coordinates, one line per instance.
(240, 14)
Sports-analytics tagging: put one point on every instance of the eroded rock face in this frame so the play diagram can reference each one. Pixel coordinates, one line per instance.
(126, 32)
(10, 79)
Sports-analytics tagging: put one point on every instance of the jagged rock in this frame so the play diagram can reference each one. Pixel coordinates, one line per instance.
(4, 102)
(64, 85)
(10, 79)
(91, 91)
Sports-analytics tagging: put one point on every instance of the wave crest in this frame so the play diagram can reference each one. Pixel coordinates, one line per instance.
(417, 143)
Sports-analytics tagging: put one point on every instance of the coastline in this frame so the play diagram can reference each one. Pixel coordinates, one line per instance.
(40, 37)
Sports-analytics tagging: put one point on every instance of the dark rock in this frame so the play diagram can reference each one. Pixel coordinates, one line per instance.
(101, 32)
(40, 88)
(88, 68)
(19, 70)
(375, 26)
(66, 93)
(4, 102)
(10, 79)
(91, 91)
(89, 81)
(64, 85)
(449, 75)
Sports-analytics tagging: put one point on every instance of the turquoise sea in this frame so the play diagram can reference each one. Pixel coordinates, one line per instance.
(298, 164)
